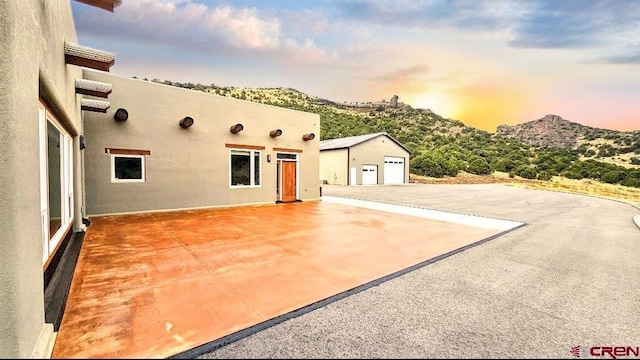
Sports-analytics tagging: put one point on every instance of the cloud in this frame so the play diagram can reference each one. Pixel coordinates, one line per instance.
(623, 59)
(528, 24)
(315, 21)
(404, 73)
(571, 23)
(429, 14)
(307, 51)
(553, 31)
(187, 25)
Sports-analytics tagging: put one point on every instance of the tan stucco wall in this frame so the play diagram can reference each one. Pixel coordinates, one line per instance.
(31, 66)
(188, 168)
(334, 166)
(372, 152)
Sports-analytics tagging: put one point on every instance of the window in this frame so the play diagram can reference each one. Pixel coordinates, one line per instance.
(56, 181)
(245, 167)
(282, 156)
(127, 168)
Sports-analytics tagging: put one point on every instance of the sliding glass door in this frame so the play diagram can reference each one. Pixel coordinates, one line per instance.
(56, 182)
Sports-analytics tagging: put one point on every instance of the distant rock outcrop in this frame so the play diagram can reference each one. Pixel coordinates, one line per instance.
(551, 130)
(365, 106)
(394, 101)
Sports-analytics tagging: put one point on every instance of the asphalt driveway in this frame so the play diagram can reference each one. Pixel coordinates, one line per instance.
(570, 278)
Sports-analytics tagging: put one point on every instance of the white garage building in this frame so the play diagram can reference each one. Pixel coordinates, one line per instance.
(364, 160)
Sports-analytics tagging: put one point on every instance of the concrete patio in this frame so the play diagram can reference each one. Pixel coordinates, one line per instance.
(156, 285)
(568, 278)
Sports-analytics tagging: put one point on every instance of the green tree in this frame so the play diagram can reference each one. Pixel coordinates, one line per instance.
(613, 177)
(631, 182)
(544, 176)
(526, 172)
(425, 166)
(479, 166)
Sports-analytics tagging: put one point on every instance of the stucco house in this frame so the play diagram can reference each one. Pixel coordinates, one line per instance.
(364, 160)
(76, 142)
(184, 149)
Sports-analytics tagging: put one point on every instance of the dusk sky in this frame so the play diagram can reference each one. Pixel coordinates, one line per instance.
(483, 62)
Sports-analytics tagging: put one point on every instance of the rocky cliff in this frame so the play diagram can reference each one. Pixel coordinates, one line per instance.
(551, 130)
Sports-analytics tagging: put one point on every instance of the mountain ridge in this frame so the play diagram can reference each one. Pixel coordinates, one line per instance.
(444, 147)
(554, 131)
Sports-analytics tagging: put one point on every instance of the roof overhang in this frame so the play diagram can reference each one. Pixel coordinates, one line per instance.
(351, 141)
(93, 88)
(95, 105)
(87, 57)
(108, 5)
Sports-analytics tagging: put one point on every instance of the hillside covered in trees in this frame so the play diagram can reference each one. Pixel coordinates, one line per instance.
(445, 147)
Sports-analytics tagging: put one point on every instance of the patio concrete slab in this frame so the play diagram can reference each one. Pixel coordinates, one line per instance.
(568, 278)
(158, 284)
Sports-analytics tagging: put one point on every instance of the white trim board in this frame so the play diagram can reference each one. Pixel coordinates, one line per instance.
(470, 220)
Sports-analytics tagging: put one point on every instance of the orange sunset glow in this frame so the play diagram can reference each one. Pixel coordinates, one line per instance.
(485, 63)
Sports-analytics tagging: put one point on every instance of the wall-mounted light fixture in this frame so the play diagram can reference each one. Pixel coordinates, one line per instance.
(186, 122)
(268, 157)
(121, 115)
(236, 128)
(83, 145)
(275, 133)
(308, 137)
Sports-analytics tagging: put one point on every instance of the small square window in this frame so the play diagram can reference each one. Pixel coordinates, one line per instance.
(282, 156)
(245, 171)
(127, 168)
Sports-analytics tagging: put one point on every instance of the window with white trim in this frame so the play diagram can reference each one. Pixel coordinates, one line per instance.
(127, 168)
(245, 167)
(56, 181)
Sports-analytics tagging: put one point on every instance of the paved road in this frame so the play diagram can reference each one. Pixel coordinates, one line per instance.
(570, 277)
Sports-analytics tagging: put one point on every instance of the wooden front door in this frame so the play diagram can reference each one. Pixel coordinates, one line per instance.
(289, 181)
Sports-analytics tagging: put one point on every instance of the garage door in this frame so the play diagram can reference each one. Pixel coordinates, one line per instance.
(369, 174)
(393, 170)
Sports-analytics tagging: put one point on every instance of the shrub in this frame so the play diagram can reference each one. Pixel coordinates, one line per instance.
(582, 149)
(423, 165)
(631, 182)
(526, 172)
(544, 176)
(633, 174)
(573, 174)
(501, 165)
(613, 177)
(479, 166)
(452, 166)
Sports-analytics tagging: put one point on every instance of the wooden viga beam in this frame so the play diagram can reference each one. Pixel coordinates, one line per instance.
(95, 105)
(108, 5)
(87, 57)
(93, 88)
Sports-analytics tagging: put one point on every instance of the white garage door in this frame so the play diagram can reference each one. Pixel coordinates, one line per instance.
(393, 170)
(369, 174)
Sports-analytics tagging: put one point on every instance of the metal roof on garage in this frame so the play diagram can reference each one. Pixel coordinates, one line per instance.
(347, 142)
